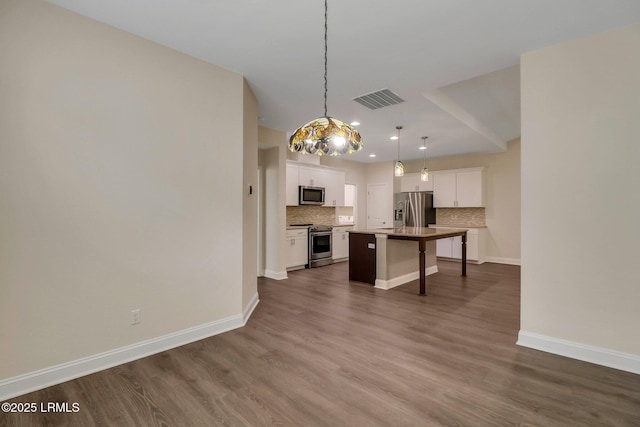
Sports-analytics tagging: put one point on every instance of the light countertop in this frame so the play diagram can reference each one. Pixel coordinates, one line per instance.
(299, 227)
(414, 232)
(458, 226)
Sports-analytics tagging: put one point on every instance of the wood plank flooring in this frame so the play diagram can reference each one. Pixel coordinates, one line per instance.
(322, 351)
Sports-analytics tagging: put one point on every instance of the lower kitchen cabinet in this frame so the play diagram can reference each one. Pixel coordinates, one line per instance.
(297, 248)
(340, 243)
(452, 246)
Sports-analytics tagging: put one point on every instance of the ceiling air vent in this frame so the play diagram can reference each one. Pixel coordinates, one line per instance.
(379, 99)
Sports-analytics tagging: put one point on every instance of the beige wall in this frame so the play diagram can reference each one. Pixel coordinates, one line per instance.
(118, 188)
(580, 204)
(249, 198)
(401, 257)
(502, 198)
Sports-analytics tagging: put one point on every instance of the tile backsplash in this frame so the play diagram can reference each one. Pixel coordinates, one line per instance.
(468, 217)
(311, 215)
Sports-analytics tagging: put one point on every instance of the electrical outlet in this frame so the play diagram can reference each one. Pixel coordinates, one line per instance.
(135, 316)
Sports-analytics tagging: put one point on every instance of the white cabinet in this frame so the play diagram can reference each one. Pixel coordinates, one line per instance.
(333, 180)
(473, 247)
(297, 248)
(459, 188)
(340, 238)
(310, 176)
(349, 195)
(451, 247)
(469, 188)
(292, 184)
(412, 182)
(444, 189)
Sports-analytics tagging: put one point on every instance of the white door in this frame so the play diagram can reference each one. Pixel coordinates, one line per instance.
(378, 211)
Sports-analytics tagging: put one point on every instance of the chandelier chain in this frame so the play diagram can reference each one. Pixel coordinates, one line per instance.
(326, 136)
(424, 144)
(398, 128)
(325, 58)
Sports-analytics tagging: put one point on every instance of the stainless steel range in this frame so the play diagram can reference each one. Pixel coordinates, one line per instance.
(320, 246)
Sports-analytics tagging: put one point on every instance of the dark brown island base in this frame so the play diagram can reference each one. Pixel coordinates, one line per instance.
(385, 257)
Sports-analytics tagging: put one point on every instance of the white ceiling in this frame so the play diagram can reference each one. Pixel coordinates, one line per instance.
(454, 62)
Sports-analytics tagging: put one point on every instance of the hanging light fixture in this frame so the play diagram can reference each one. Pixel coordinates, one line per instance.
(325, 135)
(424, 172)
(398, 169)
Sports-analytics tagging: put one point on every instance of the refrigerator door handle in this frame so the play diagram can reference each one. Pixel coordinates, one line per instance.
(405, 217)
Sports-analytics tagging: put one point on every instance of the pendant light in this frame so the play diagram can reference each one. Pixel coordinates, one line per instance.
(424, 172)
(398, 169)
(325, 135)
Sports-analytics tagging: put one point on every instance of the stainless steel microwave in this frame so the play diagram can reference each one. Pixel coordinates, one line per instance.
(310, 195)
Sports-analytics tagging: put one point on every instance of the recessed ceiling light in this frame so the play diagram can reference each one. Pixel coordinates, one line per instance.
(394, 137)
(422, 147)
(355, 123)
(372, 155)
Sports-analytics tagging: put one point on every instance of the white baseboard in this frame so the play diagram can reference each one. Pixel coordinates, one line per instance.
(587, 353)
(37, 380)
(405, 278)
(459, 260)
(509, 261)
(248, 310)
(275, 275)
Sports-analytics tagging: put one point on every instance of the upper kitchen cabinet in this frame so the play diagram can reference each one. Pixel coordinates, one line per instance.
(292, 184)
(349, 195)
(333, 187)
(332, 180)
(311, 176)
(411, 182)
(459, 188)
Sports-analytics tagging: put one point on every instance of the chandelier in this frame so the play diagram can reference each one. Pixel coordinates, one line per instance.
(398, 169)
(325, 135)
(424, 172)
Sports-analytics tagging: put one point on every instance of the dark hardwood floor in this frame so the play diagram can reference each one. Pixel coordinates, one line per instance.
(321, 351)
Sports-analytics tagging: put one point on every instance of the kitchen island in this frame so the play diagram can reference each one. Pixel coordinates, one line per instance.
(395, 254)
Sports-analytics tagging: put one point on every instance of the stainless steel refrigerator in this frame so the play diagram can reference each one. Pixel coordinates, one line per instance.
(414, 209)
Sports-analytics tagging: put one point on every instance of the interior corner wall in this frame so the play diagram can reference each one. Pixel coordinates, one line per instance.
(580, 204)
(250, 199)
(120, 187)
(273, 158)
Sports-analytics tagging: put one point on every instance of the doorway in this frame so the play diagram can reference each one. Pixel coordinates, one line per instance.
(260, 236)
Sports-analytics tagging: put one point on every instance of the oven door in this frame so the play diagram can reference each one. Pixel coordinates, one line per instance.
(319, 245)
